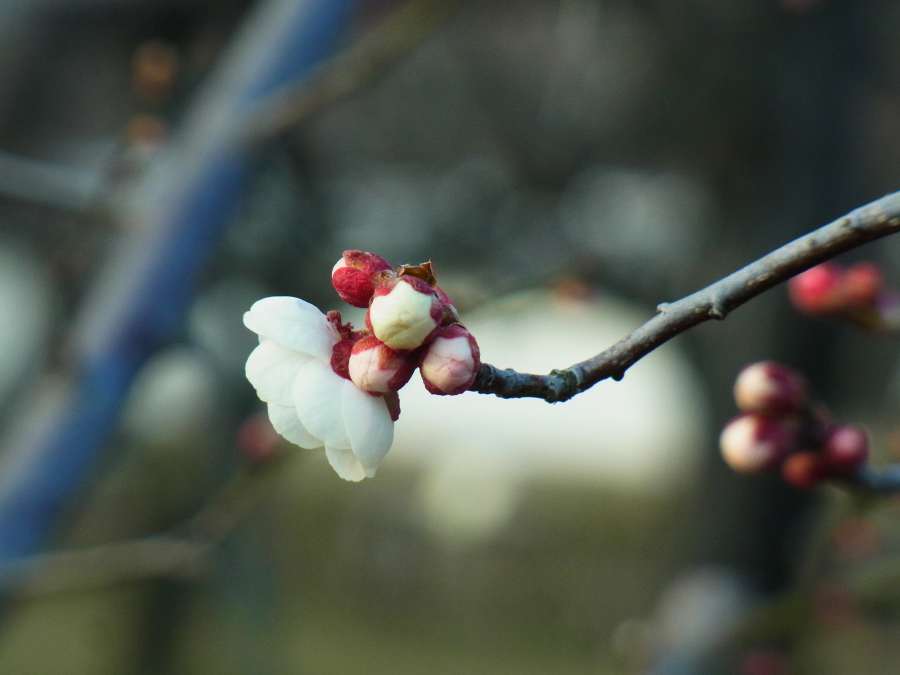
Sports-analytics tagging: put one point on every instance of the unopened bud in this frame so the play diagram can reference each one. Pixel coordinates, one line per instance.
(404, 312)
(804, 469)
(352, 276)
(818, 290)
(846, 448)
(769, 387)
(451, 362)
(257, 440)
(862, 284)
(376, 368)
(753, 442)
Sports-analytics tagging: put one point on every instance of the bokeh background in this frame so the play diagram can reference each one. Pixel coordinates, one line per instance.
(567, 165)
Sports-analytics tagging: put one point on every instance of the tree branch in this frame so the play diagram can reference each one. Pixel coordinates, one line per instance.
(864, 224)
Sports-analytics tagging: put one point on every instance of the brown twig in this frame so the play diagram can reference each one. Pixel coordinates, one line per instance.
(864, 224)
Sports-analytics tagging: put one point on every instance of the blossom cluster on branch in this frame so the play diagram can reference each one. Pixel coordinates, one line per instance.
(329, 384)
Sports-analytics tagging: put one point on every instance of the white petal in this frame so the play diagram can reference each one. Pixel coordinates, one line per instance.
(317, 399)
(292, 323)
(345, 464)
(271, 370)
(285, 421)
(369, 426)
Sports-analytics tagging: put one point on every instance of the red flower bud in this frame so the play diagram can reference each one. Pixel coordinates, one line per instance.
(376, 368)
(451, 362)
(352, 276)
(769, 387)
(818, 290)
(804, 469)
(846, 448)
(752, 442)
(862, 284)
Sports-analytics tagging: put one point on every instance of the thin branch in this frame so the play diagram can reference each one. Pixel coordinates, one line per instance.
(867, 223)
(182, 552)
(872, 481)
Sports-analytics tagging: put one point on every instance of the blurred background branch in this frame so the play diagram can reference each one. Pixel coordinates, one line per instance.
(174, 220)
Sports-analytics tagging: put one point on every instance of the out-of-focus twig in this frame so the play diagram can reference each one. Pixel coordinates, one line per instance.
(876, 481)
(393, 38)
(867, 223)
(182, 552)
(47, 184)
(138, 303)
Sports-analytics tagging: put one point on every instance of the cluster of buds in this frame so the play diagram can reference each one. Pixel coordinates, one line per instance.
(410, 322)
(780, 429)
(856, 292)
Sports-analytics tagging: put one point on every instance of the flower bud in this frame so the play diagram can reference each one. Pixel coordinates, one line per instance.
(257, 441)
(752, 442)
(352, 276)
(846, 448)
(818, 290)
(404, 312)
(451, 362)
(769, 387)
(862, 284)
(803, 469)
(376, 368)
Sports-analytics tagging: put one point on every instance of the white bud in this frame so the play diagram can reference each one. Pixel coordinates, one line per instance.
(404, 314)
(376, 368)
(752, 443)
(451, 362)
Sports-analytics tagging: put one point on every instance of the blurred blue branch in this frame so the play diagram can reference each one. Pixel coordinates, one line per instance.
(173, 223)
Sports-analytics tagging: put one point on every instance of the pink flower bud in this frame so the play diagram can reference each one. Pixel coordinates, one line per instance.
(752, 442)
(818, 290)
(352, 276)
(804, 469)
(769, 387)
(404, 311)
(451, 361)
(862, 284)
(257, 441)
(846, 448)
(376, 368)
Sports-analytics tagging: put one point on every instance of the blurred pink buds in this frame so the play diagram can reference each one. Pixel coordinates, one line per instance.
(451, 361)
(404, 311)
(818, 289)
(862, 283)
(769, 387)
(804, 469)
(845, 449)
(782, 428)
(375, 367)
(753, 442)
(352, 276)
(831, 289)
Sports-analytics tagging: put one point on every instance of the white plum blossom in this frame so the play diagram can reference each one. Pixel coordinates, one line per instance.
(309, 403)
